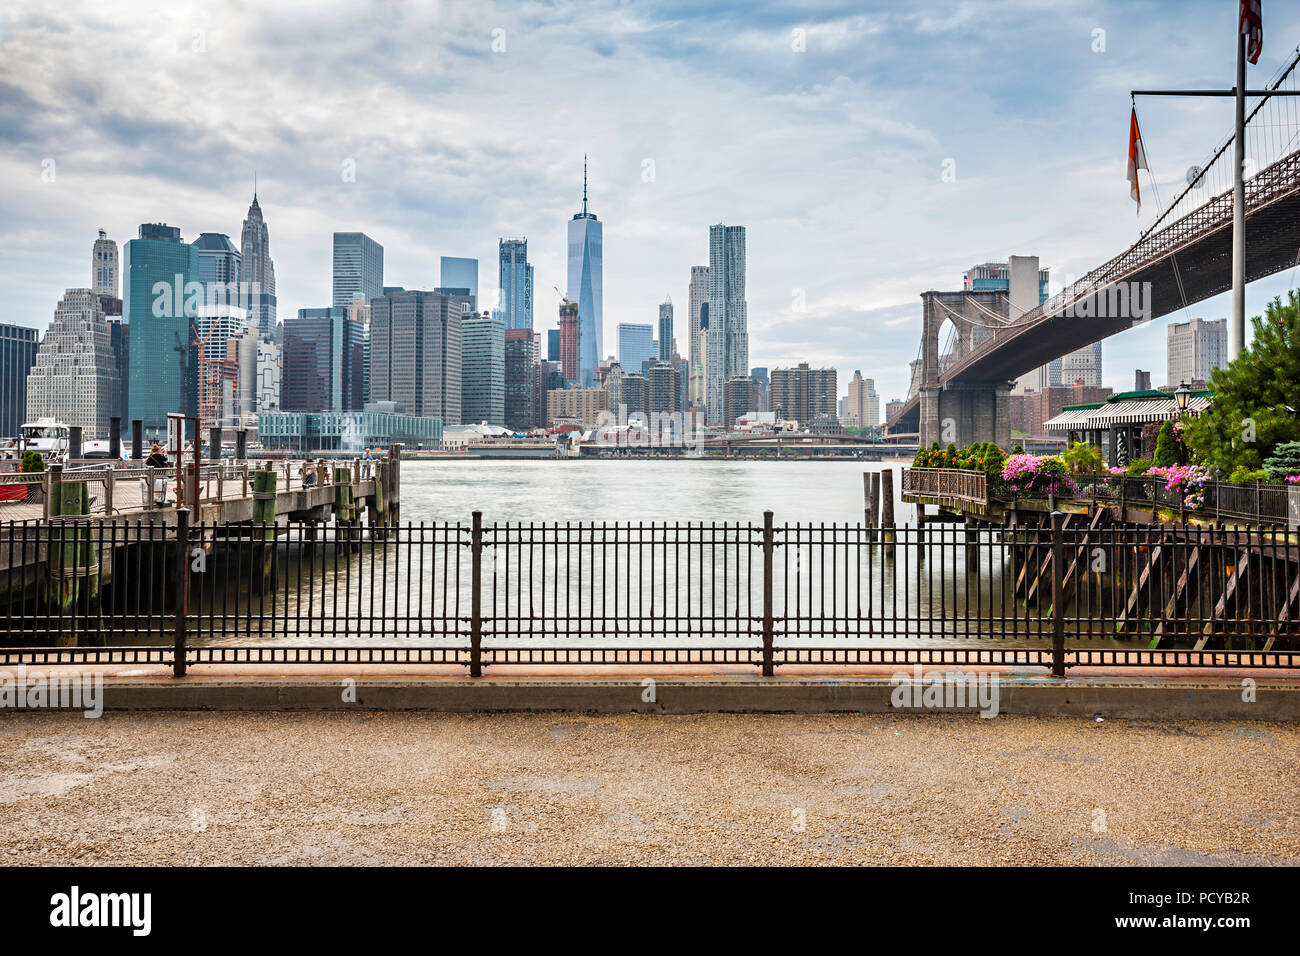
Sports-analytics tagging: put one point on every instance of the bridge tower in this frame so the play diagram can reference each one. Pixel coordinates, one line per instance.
(965, 412)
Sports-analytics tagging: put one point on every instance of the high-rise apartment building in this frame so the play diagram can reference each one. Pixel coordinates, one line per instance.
(1194, 349)
(586, 284)
(104, 266)
(323, 362)
(665, 381)
(1141, 380)
(257, 271)
(571, 341)
(861, 404)
(523, 379)
(552, 345)
(666, 343)
(416, 352)
(358, 268)
(75, 379)
(803, 394)
(583, 405)
(636, 345)
(163, 354)
(728, 341)
(483, 369)
(698, 304)
(18, 345)
(739, 398)
(516, 284)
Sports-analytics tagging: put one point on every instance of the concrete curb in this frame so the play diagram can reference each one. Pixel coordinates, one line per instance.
(1030, 696)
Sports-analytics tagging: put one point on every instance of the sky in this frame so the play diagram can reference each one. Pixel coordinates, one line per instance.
(873, 150)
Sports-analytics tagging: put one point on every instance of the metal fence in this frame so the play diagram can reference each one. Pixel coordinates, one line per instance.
(764, 594)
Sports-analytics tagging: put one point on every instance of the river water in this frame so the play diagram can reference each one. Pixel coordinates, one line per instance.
(640, 490)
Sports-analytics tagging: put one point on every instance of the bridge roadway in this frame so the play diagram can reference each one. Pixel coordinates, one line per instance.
(1186, 262)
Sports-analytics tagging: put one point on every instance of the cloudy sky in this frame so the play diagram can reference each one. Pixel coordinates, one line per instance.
(825, 128)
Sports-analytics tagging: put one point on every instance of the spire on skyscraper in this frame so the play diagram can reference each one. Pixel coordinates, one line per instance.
(584, 184)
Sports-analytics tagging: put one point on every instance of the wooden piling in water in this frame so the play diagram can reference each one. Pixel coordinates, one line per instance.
(887, 530)
(71, 564)
(264, 521)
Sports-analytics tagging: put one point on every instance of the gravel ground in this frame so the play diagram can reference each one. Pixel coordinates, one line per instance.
(407, 788)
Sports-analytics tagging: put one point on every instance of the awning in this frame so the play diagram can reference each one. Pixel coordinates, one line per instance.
(1131, 412)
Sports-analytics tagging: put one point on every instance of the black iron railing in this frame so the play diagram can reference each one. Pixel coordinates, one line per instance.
(478, 594)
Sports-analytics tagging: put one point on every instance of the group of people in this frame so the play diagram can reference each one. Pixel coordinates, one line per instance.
(310, 472)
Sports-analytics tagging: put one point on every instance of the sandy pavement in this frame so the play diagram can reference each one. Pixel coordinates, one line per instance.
(416, 788)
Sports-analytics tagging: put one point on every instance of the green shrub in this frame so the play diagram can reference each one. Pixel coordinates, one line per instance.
(1018, 450)
(1244, 475)
(1284, 462)
(1166, 447)
(1139, 466)
(32, 461)
(1082, 459)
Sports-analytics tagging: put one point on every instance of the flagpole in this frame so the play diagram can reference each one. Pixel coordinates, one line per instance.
(1237, 328)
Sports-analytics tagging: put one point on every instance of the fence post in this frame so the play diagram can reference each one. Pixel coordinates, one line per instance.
(476, 598)
(887, 530)
(182, 589)
(769, 545)
(1058, 597)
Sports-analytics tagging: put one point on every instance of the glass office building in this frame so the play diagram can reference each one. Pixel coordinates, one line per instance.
(516, 284)
(358, 268)
(18, 345)
(323, 362)
(156, 268)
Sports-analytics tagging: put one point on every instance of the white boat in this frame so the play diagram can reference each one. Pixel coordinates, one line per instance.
(45, 435)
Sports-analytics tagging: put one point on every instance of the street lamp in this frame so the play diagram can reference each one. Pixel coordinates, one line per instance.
(1183, 395)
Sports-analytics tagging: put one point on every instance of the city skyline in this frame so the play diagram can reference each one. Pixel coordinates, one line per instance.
(860, 309)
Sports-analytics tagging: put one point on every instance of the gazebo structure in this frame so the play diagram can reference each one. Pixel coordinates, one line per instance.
(1116, 425)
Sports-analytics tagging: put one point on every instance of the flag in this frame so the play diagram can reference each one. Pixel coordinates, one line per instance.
(1137, 159)
(1252, 28)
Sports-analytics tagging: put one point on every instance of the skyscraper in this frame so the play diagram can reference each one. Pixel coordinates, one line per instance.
(323, 362)
(416, 352)
(697, 300)
(523, 379)
(18, 345)
(666, 343)
(571, 341)
(1194, 349)
(103, 266)
(483, 369)
(635, 346)
(257, 271)
(156, 269)
(586, 284)
(457, 275)
(862, 404)
(728, 340)
(358, 267)
(516, 284)
(75, 379)
(552, 345)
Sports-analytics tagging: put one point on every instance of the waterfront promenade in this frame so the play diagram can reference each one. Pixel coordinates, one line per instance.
(404, 788)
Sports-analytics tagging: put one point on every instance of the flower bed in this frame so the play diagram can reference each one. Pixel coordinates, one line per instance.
(1038, 476)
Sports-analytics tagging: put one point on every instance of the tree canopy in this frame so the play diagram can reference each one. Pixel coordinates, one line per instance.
(1256, 397)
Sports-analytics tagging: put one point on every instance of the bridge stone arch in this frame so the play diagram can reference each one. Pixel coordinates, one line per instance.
(966, 413)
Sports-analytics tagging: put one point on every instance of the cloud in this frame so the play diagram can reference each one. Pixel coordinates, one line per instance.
(468, 121)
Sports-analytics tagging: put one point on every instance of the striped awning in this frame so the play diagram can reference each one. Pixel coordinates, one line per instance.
(1136, 411)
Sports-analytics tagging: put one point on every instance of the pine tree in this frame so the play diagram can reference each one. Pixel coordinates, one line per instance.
(1255, 397)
